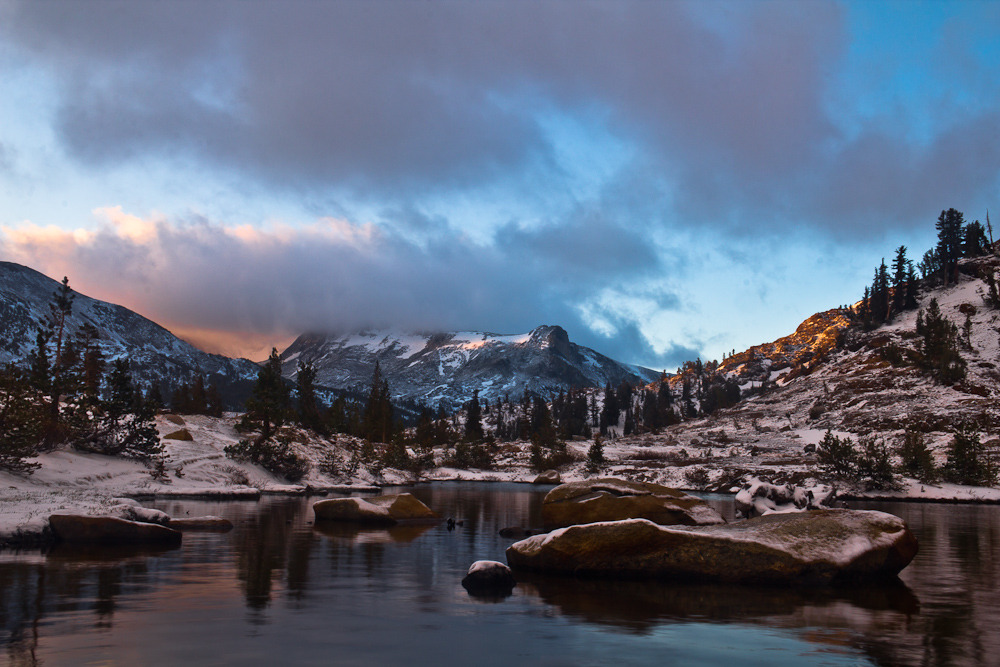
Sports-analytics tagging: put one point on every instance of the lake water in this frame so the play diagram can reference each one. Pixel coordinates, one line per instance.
(277, 590)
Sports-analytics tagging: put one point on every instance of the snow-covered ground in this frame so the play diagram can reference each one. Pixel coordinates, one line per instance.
(81, 483)
(853, 390)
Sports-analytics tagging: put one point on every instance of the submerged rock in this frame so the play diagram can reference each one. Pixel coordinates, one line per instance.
(818, 546)
(489, 577)
(379, 510)
(519, 531)
(614, 500)
(206, 523)
(109, 530)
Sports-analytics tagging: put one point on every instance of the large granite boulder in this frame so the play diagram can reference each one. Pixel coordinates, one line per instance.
(817, 546)
(614, 500)
(378, 510)
(109, 530)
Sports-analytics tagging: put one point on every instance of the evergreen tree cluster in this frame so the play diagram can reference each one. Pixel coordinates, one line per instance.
(67, 395)
(894, 289)
(868, 462)
(939, 345)
(194, 397)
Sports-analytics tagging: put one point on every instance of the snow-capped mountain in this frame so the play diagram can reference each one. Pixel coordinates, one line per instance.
(446, 368)
(156, 355)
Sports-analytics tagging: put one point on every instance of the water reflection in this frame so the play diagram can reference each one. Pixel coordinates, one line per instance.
(639, 606)
(334, 590)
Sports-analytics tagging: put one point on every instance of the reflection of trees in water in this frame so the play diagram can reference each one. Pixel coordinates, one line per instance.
(66, 580)
(264, 543)
(957, 571)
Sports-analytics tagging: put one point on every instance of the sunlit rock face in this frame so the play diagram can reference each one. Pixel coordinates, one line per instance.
(817, 547)
(614, 499)
(446, 368)
(381, 510)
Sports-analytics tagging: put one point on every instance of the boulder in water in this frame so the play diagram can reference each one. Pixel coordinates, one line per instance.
(379, 510)
(109, 530)
(817, 546)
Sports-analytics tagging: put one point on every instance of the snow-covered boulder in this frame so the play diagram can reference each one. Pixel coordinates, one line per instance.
(818, 546)
(379, 510)
(109, 530)
(614, 499)
(758, 497)
(490, 577)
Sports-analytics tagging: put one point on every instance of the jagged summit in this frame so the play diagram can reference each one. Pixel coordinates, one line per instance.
(445, 368)
(156, 355)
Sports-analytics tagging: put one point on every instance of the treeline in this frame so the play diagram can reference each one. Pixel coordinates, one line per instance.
(890, 294)
(70, 393)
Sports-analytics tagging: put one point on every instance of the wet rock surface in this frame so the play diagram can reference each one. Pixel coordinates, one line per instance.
(379, 510)
(817, 546)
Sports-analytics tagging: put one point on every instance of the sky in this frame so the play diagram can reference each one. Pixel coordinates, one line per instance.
(665, 180)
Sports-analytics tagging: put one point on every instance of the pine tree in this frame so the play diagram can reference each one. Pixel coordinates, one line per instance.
(910, 298)
(305, 390)
(916, 460)
(378, 418)
(126, 426)
(974, 241)
(269, 406)
(950, 227)
(474, 419)
(939, 345)
(968, 460)
(19, 422)
(880, 295)
(899, 276)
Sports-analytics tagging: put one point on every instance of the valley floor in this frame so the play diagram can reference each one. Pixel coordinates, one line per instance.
(712, 454)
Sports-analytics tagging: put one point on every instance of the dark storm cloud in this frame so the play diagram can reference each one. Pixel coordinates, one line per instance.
(398, 97)
(336, 276)
(880, 180)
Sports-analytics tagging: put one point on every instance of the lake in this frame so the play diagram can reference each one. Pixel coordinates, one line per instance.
(277, 590)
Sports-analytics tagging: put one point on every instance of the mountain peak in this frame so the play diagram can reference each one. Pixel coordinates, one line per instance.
(445, 368)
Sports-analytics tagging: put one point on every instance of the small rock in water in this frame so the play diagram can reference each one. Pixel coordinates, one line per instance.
(489, 577)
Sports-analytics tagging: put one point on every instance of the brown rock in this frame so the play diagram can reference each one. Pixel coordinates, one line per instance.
(180, 434)
(109, 530)
(379, 510)
(548, 477)
(614, 500)
(819, 546)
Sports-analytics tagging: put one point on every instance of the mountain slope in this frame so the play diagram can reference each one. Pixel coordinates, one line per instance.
(445, 368)
(156, 355)
(869, 383)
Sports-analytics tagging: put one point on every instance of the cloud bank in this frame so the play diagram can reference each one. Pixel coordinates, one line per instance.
(618, 168)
